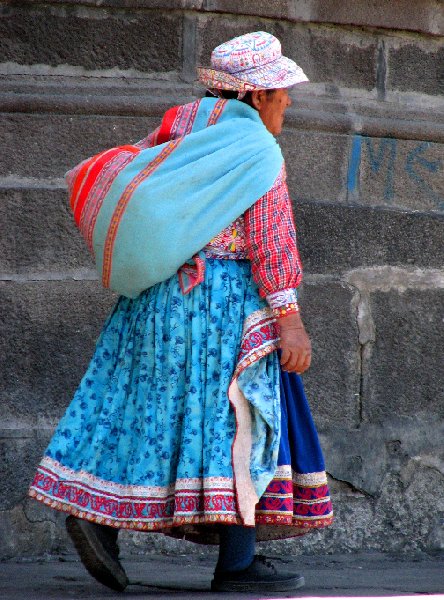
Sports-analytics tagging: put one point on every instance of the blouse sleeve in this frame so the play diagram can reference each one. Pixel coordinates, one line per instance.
(271, 242)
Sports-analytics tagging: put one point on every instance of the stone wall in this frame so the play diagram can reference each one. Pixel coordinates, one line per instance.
(364, 149)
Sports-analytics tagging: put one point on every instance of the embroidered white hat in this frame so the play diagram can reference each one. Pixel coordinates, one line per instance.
(252, 61)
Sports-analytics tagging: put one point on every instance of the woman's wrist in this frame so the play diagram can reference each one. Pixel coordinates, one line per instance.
(290, 321)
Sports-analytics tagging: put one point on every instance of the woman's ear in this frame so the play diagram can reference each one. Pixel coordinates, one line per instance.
(258, 98)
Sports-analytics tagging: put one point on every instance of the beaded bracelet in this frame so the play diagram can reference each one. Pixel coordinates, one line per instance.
(285, 310)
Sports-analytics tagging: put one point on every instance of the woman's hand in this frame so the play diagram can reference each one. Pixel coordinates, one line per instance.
(295, 344)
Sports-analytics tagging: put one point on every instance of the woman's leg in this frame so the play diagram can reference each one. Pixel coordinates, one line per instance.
(236, 547)
(239, 570)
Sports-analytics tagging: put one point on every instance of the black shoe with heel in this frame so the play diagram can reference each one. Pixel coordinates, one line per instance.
(98, 551)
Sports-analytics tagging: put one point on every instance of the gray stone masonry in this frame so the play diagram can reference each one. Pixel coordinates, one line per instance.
(364, 148)
(424, 16)
(92, 39)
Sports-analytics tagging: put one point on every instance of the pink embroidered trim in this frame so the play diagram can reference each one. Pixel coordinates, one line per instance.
(191, 275)
(216, 112)
(300, 501)
(282, 298)
(187, 501)
(184, 120)
(259, 338)
(97, 194)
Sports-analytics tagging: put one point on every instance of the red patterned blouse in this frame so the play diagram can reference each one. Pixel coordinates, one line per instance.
(266, 235)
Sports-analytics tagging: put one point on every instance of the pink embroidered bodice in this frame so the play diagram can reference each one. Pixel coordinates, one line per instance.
(230, 243)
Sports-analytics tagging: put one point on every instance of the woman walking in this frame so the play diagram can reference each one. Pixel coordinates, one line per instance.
(189, 420)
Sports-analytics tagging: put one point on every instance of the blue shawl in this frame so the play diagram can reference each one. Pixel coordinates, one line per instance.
(169, 201)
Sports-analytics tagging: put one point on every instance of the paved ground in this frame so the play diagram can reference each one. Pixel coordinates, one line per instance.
(188, 577)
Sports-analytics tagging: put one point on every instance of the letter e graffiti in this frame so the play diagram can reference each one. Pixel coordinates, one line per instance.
(415, 158)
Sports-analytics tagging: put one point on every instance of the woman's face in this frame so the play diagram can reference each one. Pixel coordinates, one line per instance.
(271, 108)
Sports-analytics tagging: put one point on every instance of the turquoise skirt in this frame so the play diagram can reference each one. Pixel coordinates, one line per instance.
(176, 424)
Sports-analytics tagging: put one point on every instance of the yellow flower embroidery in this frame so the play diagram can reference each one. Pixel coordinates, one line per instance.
(233, 243)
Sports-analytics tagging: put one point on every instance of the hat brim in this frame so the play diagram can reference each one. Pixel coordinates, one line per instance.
(281, 73)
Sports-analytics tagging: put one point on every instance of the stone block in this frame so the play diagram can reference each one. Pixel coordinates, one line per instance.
(135, 4)
(335, 238)
(357, 458)
(416, 67)
(20, 537)
(404, 372)
(47, 145)
(40, 233)
(398, 173)
(92, 39)
(361, 457)
(331, 55)
(308, 177)
(20, 451)
(332, 382)
(213, 30)
(410, 516)
(48, 331)
(277, 9)
(425, 16)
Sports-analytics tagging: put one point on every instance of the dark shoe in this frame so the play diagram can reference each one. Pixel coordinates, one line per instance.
(260, 576)
(98, 551)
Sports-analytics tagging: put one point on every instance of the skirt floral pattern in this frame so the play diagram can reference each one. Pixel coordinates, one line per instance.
(148, 440)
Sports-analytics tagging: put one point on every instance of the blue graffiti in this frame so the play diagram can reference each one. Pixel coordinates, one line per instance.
(383, 156)
(355, 162)
(377, 160)
(414, 158)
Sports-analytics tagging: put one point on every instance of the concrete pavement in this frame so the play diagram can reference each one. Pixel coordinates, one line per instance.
(188, 577)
